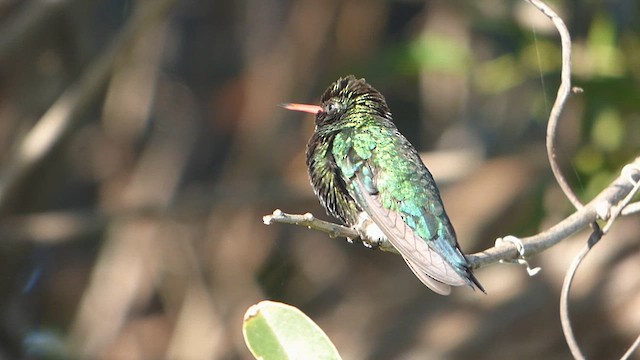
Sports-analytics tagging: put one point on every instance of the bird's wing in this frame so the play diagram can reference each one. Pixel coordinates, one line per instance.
(424, 261)
(401, 202)
(431, 283)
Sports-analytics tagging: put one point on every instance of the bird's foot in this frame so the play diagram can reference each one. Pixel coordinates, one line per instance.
(370, 234)
(368, 243)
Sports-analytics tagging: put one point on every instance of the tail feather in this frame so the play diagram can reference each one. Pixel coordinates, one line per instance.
(474, 280)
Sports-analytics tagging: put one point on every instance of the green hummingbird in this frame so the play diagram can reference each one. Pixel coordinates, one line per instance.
(368, 175)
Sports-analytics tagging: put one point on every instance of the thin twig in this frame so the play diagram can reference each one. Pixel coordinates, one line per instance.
(310, 221)
(565, 320)
(561, 98)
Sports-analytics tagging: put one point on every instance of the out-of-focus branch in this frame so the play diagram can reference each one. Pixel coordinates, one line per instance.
(21, 28)
(66, 112)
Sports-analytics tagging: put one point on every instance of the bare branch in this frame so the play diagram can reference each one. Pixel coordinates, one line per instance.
(598, 208)
(561, 98)
(565, 320)
(308, 220)
(334, 230)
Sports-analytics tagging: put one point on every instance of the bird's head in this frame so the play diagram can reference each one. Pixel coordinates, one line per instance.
(346, 103)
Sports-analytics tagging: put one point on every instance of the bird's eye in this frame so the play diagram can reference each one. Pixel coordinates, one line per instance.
(332, 108)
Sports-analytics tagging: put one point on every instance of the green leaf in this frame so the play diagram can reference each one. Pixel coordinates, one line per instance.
(274, 330)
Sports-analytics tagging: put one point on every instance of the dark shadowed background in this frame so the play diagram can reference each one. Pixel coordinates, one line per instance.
(141, 143)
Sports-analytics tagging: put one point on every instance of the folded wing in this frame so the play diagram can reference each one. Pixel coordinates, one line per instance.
(402, 202)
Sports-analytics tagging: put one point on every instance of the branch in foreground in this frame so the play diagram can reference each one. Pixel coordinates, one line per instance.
(598, 208)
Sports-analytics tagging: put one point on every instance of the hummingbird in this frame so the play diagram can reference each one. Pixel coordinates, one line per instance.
(368, 175)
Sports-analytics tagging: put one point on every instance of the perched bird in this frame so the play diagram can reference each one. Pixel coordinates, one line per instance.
(369, 176)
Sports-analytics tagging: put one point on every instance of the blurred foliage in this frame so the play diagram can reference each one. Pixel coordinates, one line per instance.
(131, 220)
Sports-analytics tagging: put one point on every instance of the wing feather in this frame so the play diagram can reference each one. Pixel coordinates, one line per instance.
(416, 251)
(431, 283)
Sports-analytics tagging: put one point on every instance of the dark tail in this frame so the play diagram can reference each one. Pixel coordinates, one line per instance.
(472, 279)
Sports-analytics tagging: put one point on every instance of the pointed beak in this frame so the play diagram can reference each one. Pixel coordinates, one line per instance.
(312, 109)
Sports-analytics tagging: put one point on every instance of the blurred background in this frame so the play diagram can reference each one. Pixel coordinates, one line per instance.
(141, 143)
